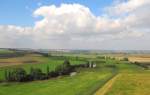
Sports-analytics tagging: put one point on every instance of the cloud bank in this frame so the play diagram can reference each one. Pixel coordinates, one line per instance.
(74, 26)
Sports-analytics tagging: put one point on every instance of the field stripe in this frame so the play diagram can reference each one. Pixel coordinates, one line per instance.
(107, 86)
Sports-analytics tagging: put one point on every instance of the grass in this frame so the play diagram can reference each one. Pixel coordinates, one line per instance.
(132, 78)
(81, 84)
(106, 87)
(131, 84)
(41, 62)
(4, 51)
(128, 81)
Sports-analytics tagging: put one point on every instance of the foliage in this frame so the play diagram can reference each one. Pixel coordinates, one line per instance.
(125, 59)
(17, 74)
(20, 75)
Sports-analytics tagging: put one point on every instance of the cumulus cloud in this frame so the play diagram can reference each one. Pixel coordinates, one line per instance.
(75, 26)
(125, 7)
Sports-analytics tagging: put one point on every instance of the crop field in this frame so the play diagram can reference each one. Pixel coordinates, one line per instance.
(131, 84)
(21, 60)
(144, 58)
(139, 59)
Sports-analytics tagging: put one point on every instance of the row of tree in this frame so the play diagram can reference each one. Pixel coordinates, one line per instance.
(144, 65)
(20, 74)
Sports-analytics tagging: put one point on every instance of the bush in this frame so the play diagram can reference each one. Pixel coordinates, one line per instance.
(65, 68)
(20, 75)
(17, 74)
(37, 74)
(125, 59)
(53, 74)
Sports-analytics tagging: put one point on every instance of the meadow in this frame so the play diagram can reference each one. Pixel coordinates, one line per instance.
(131, 78)
(32, 60)
(84, 83)
(131, 84)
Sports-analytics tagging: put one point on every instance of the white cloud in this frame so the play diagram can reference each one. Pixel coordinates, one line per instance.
(126, 6)
(75, 26)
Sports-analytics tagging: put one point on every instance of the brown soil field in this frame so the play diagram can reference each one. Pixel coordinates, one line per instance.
(20, 60)
(139, 59)
(144, 58)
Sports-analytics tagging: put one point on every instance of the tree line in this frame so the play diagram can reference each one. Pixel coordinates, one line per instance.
(20, 74)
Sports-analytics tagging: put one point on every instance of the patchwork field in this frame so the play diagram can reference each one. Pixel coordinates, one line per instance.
(28, 61)
(21, 60)
(110, 77)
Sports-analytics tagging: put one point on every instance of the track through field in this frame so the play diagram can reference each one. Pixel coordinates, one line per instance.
(107, 86)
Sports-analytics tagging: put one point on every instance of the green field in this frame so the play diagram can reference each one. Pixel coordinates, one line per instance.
(83, 83)
(87, 81)
(41, 62)
(4, 51)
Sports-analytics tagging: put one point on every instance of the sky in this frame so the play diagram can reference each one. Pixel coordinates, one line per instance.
(75, 24)
(19, 12)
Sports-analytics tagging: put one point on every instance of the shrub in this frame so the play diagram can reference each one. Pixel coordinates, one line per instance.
(125, 59)
(64, 69)
(17, 74)
(37, 74)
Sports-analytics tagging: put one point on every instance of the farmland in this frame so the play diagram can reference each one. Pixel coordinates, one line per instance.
(74, 47)
(131, 84)
(131, 78)
(82, 84)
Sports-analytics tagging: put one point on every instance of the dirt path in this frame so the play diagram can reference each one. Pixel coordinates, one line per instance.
(106, 87)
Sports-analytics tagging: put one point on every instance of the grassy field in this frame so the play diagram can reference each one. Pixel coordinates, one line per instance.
(4, 51)
(131, 84)
(84, 83)
(40, 62)
(131, 78)
(139, 80)
(106, 87)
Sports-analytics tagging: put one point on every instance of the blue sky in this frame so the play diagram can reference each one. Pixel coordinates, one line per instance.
(75, 24)
(19, 12)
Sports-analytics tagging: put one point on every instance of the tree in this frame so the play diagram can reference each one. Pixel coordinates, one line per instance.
(66, 63)
(125, 59)
(37, 74)
(9, 76)
(53, 74)
(64, 69)
(6, 75)
(47, 71)
(19, 74)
